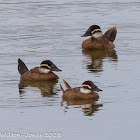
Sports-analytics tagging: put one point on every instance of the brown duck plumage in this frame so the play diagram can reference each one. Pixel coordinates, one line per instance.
(75, 93)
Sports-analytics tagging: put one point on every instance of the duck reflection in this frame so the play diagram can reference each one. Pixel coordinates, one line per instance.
(89, 107)
(46, 87)
(97, 57)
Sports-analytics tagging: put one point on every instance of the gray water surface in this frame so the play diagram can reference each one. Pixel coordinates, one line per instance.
(48, 29)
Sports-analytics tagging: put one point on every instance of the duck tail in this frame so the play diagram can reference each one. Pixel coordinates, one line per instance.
(111, 33)
(66, 84)
(22, 67)
(61, 88)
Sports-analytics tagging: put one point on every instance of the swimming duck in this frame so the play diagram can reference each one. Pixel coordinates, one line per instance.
(98, 40)
(41, 73)
(86, 91)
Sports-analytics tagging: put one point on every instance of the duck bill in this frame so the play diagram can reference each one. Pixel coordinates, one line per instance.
(86, 34)
(55, 69)
(97, 89)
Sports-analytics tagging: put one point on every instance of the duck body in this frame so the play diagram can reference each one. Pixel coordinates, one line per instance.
(99, 40)
(35, 75)
(77, 95)
(86, 91)
(93, 43)
(42, 73)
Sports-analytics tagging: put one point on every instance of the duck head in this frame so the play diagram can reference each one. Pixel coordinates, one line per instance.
(94, 31)
(89, 87)
(47, 66)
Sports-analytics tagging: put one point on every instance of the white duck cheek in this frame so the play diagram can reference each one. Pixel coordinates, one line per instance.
(97, 35)
(42, 70)
(85, 91)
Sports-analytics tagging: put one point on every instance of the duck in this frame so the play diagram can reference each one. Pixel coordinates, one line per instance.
(98, 40)
(85, 91)
(41, 73)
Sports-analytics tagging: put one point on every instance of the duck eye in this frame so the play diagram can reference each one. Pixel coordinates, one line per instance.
(86, 87)
(45, 66)
(95, 31)
(48, 66)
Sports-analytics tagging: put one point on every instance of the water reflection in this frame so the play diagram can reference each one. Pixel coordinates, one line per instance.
(97, 57)
(89, 107)
(46, 87)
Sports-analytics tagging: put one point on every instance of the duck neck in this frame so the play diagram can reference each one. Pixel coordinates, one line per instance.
(44, 71)
(97, 36)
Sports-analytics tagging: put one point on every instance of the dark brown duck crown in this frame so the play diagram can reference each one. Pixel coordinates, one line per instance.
(48, 62)
(88, 83)
(93, 27)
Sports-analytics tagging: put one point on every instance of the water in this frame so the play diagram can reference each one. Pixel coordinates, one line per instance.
(38, 30)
